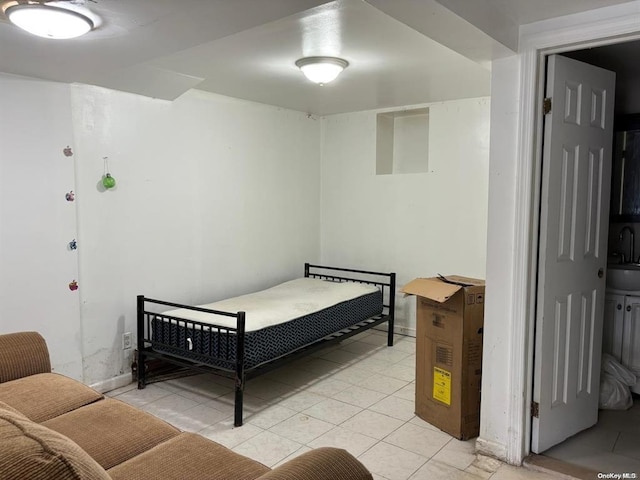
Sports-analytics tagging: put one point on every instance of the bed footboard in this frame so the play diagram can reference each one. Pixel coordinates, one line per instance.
(211, 343)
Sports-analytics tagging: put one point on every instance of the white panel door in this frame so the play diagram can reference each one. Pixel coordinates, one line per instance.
(573, 249)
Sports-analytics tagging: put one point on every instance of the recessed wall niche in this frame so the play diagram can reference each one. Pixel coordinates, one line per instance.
(402, 142)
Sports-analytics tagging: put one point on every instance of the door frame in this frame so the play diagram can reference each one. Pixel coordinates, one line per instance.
(590, 29)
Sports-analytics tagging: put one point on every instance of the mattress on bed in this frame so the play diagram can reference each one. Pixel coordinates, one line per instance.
(274, 340)
(279, 304)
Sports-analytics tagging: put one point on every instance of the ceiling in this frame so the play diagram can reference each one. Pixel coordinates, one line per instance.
(401, 52)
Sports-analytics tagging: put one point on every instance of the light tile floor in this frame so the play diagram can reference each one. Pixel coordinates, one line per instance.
(612, 445)
(358, 395)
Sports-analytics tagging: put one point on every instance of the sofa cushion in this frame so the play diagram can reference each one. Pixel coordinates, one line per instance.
(23, 354)
(32, 451)
(46, 395)
(4, 406)
(325, 463)
(112, 431)
(188, 456)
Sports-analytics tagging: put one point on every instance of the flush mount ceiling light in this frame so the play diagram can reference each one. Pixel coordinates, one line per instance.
(49, 21)
(321, 69)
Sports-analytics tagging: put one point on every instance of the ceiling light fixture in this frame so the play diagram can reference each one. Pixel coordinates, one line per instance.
(49, 21)
(321, 69)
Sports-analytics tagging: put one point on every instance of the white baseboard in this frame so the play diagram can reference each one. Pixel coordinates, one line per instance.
(491, 449)
(398, 330)
(113, 383)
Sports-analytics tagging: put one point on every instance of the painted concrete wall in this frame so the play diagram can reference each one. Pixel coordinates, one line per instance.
(416, 224)
(215, 197)
(497, 370)
(36, 221)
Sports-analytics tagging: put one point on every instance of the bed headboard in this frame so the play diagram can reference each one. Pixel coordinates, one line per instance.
(386, 282)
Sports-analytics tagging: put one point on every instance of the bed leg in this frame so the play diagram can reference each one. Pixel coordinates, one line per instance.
(140, 327)
(392, 310)
(141, 371)
(237, 418)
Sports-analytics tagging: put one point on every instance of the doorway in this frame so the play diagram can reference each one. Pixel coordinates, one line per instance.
(507, 382)
(613, 444)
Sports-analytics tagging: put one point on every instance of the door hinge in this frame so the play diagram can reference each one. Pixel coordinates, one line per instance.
(535, 409)
(546, 105)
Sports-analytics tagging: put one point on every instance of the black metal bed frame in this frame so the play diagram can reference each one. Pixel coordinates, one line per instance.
(221, 355)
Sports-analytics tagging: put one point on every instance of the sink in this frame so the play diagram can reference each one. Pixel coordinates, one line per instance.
(624, 276)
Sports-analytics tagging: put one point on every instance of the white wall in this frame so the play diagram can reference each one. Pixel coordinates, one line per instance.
(413, 224)
(214, 197)
(36, 222)
(496, 372)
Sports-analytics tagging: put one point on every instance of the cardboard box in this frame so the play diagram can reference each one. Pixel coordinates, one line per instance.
(449, 323)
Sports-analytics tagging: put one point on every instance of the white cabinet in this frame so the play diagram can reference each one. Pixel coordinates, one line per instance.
(614, 310)
(631, 338)
(621, 335)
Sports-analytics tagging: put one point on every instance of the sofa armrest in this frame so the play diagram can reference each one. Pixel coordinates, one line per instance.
(324, 463)
(23, 354)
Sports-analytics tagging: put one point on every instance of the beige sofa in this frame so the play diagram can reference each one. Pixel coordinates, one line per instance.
(53, 427)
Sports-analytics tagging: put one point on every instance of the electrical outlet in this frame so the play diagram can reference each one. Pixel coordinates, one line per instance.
(126, 341)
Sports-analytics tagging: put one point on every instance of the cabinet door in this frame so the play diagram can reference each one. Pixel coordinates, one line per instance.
(614, 306)
(631, 335)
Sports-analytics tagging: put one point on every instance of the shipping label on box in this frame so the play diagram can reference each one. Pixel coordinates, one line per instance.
(442, 385)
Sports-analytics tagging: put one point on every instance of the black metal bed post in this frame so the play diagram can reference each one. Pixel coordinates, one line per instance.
(306, 270)
(237, 419)
(140, 321)
(392, 310)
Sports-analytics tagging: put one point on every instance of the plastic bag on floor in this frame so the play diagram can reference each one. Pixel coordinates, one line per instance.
(614, 385)
(611, 366)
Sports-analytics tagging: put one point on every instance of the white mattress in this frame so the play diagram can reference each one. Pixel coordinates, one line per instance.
(279, 304)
